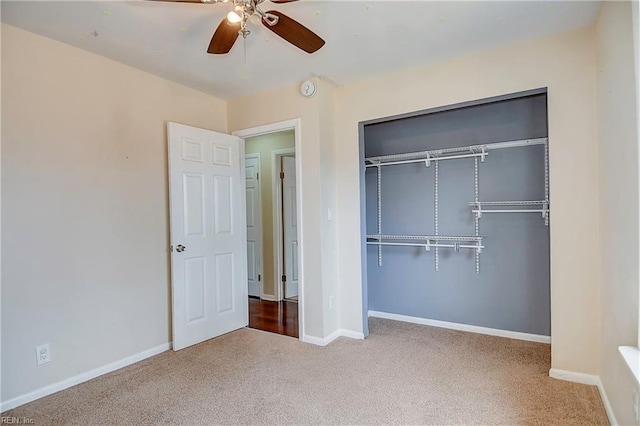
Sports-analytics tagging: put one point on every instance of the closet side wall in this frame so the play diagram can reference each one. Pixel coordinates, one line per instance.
(511, 292)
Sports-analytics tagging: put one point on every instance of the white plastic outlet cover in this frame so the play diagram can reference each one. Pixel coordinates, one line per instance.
(43, 354)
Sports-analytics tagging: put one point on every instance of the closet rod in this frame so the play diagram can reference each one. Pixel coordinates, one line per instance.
(428, 159)
(424, 237)
(508, 203)
(474, 149)
(511, 211)
(427, 246)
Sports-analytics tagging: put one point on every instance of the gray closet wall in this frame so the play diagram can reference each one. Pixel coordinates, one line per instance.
(512, 290)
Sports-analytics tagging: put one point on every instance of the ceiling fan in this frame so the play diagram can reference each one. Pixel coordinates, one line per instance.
(235, 24)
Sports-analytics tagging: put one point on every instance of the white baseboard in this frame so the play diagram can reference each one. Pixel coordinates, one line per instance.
(352, 334)
(587, 379)
(607, 405)
(313, 340)
(333, 336)
(571, 376)
(268, 297)
(81, 378)
(463, 327)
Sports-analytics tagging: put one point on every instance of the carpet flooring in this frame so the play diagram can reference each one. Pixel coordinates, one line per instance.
(402, 374)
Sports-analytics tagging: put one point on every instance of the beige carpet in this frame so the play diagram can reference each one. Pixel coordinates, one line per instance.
(402, 374)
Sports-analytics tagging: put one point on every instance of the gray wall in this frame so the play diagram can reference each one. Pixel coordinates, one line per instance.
(512, 290)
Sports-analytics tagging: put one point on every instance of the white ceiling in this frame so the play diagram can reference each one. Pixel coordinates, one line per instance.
(363, 37)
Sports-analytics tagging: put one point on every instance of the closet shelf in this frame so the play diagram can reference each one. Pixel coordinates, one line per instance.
(479, 211)
(426, 157)
(427, 241)
(508, 203)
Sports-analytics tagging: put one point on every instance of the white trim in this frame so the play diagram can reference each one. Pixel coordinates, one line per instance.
(572, 376)
(296, 125)
(269, 297)
(333, 336)
(81, 378)
(313, 340)
(587, 379)
(607, 405)
(463, 327)
(276, 202)
(352, 334)
(268, 128)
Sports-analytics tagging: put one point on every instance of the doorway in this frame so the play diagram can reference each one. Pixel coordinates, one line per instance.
(273, 245)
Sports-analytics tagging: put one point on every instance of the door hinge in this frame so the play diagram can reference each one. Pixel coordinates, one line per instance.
(284, 278)
(281, 175)
(258, 277)
(257, 176)
(171, 248)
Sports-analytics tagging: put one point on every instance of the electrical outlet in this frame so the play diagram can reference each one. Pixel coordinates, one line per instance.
(43, 354)
(332, 302)
(636, 398)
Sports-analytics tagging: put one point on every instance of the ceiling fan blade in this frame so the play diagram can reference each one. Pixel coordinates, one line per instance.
(294, 32)
(224, 37)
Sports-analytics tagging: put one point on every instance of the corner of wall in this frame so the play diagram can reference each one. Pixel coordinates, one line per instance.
(617, 123)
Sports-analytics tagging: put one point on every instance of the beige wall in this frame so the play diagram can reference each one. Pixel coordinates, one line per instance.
(264, 145)
(329, 150)
(618, 169)
(84, 211)
(566, 65)
(635, 10)
(316, 185)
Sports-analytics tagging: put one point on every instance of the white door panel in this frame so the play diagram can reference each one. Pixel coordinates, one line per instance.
(254, 224)
(208, 221)
(290, 225)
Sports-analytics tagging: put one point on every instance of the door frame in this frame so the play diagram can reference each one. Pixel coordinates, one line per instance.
(261, 233)
(278, 242)
(293, 124)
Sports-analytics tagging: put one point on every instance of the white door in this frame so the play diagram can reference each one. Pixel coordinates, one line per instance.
(254, 224)
(290, 226)
(208, 234)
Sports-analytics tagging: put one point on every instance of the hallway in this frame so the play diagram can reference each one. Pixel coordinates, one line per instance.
(275, 317)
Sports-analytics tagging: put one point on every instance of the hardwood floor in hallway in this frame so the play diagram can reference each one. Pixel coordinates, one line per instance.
(275, 317)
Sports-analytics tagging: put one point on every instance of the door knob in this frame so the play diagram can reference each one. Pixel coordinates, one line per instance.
(180, 248)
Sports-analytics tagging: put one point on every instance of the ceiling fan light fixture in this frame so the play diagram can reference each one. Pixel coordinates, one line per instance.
(233, 17)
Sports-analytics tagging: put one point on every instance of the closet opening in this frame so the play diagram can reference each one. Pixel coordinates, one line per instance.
(456, 217)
